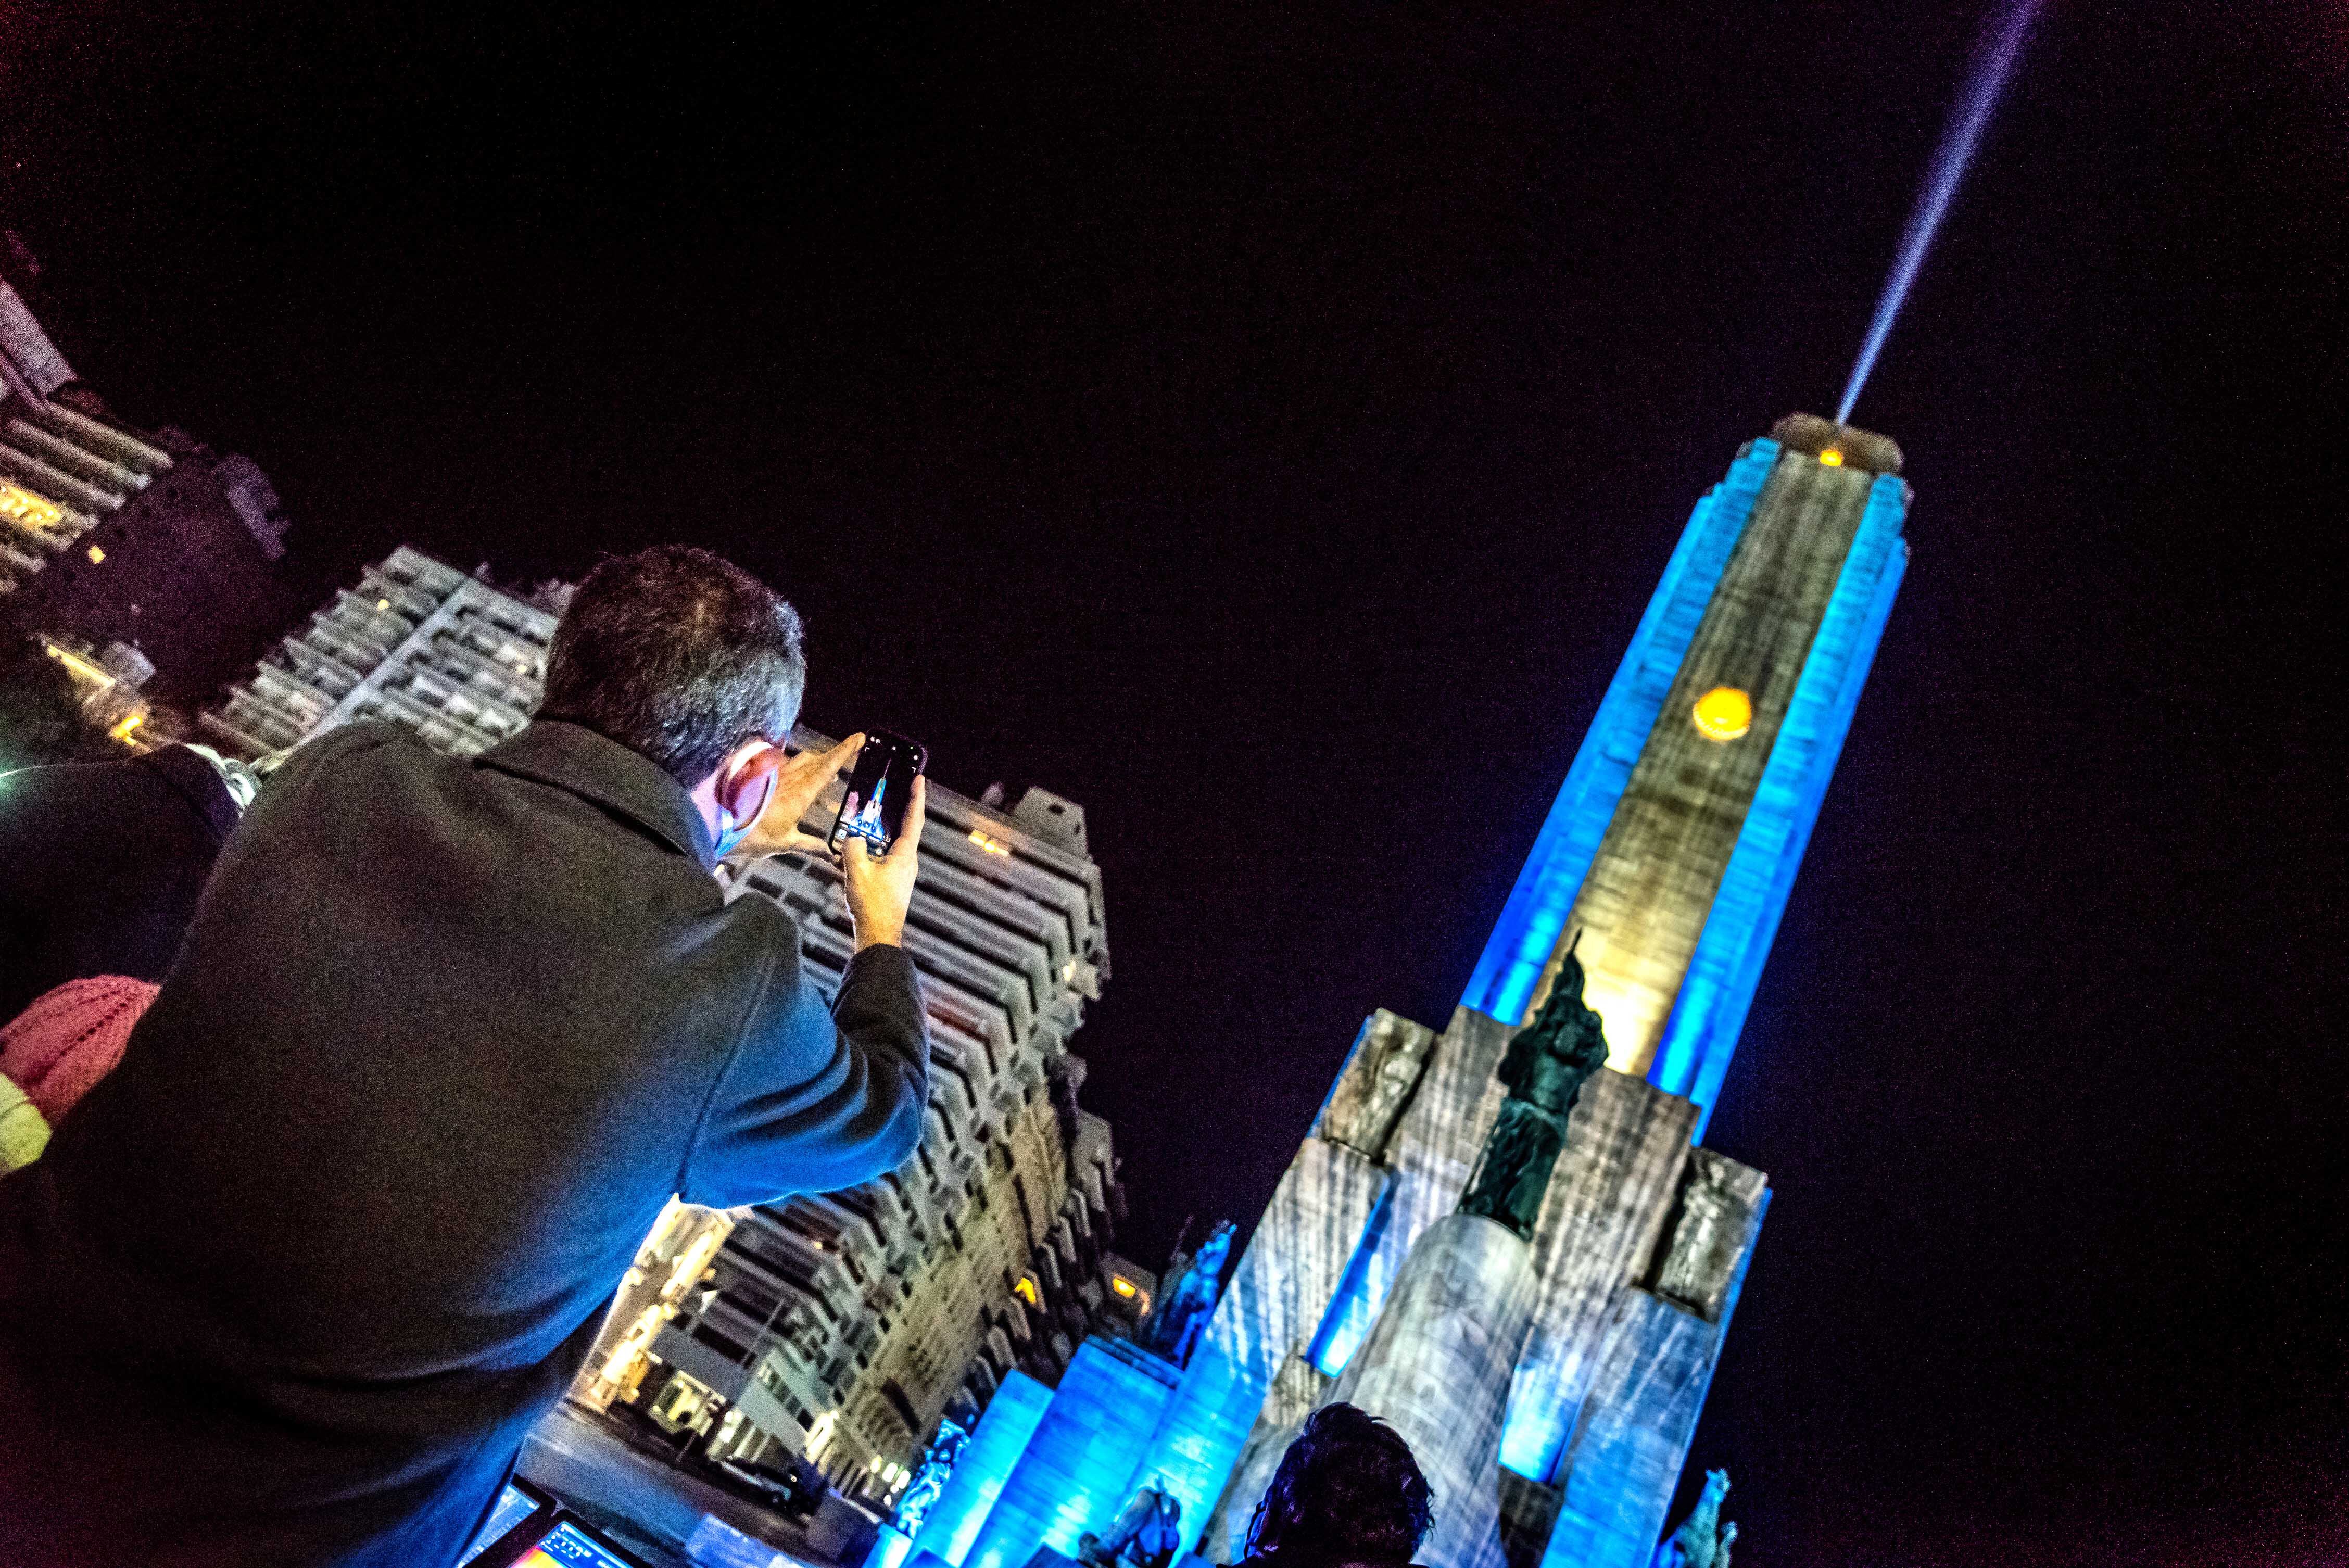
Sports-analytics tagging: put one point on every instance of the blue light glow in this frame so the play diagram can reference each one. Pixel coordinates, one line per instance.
(1356, 1304)
(1078, 1469)
(996, 1444)
(1531, 1440)
(1200, 1437)
(1535, 917)
(1702, 1033)
(891, 1547)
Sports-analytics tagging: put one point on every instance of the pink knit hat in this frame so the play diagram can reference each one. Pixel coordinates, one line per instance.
(55, 1049)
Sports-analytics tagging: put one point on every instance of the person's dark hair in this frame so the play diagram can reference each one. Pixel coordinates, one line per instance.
(1347, 1491)
(678, 655)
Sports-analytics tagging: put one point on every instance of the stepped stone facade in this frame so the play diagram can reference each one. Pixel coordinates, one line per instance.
(457, 659)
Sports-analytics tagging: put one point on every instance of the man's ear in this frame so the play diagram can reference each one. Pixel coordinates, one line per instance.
(746, 780)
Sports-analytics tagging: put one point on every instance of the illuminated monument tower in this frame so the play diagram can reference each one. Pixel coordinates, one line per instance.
(1548, 1370)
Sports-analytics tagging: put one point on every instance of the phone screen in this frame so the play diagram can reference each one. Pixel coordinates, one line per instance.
(880, 783)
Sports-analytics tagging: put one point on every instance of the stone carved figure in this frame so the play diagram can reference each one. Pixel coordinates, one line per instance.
(1147, 1533)
(1705, 1242)
(1701, 1540)
(1187, 1299)
(1548, 1063)
(1399, 1057)
(930, 1481)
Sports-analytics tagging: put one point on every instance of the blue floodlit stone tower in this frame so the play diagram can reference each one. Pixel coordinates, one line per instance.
(1553, 1381)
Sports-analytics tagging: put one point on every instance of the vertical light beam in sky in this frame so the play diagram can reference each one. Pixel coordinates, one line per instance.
(1949, 160)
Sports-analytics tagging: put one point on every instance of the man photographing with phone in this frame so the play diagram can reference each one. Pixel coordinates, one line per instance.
(292, 1285)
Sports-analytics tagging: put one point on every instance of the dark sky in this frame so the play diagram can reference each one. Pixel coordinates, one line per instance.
(1264, 424)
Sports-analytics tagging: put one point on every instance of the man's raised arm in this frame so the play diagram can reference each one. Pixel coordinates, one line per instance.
(812, 1104)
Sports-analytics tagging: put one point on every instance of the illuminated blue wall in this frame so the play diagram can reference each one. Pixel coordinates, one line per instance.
(1702, 1033)
(1198, 1440)
(1347, 1322)
(987, 1460)
(1075, 1473)
(1536, 914)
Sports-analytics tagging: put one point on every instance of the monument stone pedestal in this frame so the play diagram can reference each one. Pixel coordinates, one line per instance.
(1437, 1366)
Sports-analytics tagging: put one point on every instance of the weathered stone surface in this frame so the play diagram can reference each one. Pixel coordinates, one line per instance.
(1608, 1200)
(1437, 1366)
(1528, 1510)
(1626, 1458)
(1274, 1303)
(1430, 1153)
(1376, 1086)
(1283, 1285)
(1625, 1149)
(1603, 1232)
(1711, 1229)
(1633, 1434)
(1191, 1454)
(1296, 1391)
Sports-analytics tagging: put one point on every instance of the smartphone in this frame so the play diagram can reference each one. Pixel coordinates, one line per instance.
(880, 783)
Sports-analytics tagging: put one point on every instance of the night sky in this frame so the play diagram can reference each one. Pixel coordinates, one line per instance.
(1264, 424)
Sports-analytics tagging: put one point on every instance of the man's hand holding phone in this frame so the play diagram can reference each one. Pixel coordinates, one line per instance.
(881, 887)
(797, 781)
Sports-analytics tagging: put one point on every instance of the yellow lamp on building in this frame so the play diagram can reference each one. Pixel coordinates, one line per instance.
(1831, 458)
(22, 506)
(1723, 714)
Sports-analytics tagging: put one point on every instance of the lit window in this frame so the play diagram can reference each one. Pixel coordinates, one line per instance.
(1723, 714)
(96, 555)
(128, 722)
(1831, 458)
(23, 506)
(1123, 1286)
(1024, 1287)
(993, 846)
(383, 603)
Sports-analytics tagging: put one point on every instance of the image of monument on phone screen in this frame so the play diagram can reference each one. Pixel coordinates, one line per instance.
(880, 783)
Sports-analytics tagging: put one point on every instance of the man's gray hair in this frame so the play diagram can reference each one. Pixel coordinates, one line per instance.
(678, 655)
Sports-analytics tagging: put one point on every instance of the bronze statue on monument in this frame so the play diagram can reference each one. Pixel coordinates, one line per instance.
(1548, 1063)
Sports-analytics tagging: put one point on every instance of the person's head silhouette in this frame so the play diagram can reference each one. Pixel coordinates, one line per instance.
(1348, 1495)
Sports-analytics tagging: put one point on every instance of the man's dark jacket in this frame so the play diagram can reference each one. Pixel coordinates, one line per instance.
(100, 863)
(291, 1284)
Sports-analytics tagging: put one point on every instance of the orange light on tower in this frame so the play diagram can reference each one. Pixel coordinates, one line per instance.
(1831, 458)
(1723, 714)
